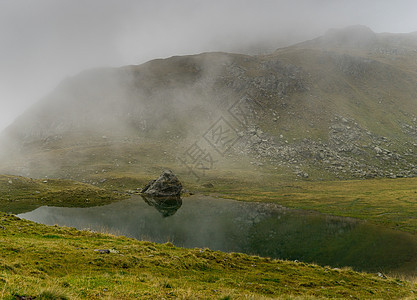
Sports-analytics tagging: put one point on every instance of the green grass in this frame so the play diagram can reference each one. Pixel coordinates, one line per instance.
(21, 194)
(61, 263)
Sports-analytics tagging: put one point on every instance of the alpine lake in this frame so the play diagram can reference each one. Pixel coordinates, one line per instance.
(259, 229)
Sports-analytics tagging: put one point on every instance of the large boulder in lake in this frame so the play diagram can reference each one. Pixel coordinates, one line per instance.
(167, 185)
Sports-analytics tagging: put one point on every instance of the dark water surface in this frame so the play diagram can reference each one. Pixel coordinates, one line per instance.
(253, 228)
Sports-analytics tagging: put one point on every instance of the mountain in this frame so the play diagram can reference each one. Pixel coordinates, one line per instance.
(340, 106)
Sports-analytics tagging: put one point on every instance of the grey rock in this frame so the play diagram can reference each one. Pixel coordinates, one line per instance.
(167, 185)
(102, 251)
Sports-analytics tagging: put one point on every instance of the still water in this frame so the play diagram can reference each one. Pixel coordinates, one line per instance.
(253, 228)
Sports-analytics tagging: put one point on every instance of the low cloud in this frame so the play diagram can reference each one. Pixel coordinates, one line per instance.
(45, 41)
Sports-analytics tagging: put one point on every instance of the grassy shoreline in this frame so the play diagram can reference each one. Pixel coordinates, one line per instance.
(63, 263)
(388, 202)
(52, 262)
(20, 194)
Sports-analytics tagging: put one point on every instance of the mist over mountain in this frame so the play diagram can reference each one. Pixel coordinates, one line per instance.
(343, 105)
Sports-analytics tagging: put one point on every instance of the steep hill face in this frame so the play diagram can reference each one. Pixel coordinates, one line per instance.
(340, 106)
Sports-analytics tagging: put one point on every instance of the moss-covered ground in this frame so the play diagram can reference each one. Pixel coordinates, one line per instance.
(61, 263)
(52, 262)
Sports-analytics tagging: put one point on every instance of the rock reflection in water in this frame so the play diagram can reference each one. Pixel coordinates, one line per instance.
(167, 206)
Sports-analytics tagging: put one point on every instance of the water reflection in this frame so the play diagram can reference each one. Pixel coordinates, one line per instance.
(167, 206)
(253, 228)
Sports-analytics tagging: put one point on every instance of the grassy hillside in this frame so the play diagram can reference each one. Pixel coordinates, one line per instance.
(63, 263)
(339, 107)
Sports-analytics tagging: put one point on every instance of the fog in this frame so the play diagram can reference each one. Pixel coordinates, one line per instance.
(44, 41)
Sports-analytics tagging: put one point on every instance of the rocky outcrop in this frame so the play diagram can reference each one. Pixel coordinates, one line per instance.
(167, 185)
(349, 152)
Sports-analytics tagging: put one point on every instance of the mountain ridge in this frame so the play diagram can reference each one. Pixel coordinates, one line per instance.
(336, 107)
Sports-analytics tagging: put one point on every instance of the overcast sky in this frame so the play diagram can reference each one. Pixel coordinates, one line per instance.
(43, 41)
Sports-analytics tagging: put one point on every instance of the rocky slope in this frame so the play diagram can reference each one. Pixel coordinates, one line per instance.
(341, 106)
